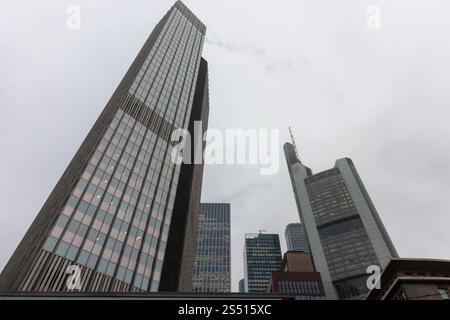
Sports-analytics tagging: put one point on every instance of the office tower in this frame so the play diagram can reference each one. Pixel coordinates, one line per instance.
(297, 277)
(242, 285)
(296, 237)
(123, 215)
(262, 256)
(212, 264)
(344, 232)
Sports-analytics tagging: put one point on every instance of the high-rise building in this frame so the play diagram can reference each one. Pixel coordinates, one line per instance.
(344, 231)
(262, 256)
(296, 237)
(212, 264)
(123, 215)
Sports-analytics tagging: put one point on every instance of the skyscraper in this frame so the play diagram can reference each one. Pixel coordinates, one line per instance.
(212, 264)
(123, 215)
(262, 256)
(344, 232)
(296, 237)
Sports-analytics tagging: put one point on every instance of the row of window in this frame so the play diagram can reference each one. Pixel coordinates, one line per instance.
(98, 219)
(299, 287)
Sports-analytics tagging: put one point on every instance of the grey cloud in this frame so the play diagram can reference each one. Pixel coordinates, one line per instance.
(241, 194)
(235, 47)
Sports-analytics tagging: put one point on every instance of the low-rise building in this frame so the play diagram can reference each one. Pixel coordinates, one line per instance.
(297, 278)
(414, 279)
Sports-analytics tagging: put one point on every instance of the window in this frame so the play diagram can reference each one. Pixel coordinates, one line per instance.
(351, 287)
(349, 225)
(83, 257)
(50, 244)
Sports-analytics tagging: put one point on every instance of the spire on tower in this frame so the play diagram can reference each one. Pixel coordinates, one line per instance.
(293, 143)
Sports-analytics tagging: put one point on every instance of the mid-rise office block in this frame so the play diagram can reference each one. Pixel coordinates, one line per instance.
(212, 264)
(262, 256)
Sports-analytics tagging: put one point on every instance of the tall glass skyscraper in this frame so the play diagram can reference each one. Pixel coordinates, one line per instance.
(262, 256)
(296, 237)
(212, 264)
(123, 215)
(344, 231)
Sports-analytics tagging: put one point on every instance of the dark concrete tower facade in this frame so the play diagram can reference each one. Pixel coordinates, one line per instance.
(344, 231)
(123, 215)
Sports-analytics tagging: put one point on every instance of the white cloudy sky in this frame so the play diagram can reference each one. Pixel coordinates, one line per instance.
(380, 97)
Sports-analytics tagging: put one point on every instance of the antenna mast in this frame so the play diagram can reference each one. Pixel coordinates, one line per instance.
(293, 142)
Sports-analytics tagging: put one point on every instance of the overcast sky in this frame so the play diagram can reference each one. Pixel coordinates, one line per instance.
(380, 97)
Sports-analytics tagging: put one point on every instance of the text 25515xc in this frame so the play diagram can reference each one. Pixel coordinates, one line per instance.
(250, 309)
